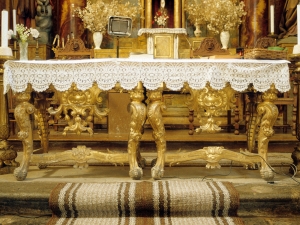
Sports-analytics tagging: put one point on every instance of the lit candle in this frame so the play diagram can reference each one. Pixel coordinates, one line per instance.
(4, 28)
(272, 18)
(298, 23)
(14, 21)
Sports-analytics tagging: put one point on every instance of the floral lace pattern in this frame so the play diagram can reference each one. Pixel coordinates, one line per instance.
(161, 30)
(151, 72)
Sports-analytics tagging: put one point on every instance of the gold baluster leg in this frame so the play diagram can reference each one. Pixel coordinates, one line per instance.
(40, 117)
(267, 113)
(154, 113)
(22, 116)
(138, 117)
(251, 115)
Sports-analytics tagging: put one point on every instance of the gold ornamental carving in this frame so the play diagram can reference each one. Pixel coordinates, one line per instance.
(41, 104)
(78, 108)
(79, 156)
(260, 128)
(211, 103)
(22, 116)
(267, 113)
(7, 153)
(154, 114)
(212, 155)
(138, 113)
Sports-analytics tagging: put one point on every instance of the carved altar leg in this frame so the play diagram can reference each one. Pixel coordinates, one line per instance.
(22, 115)
(40, 117)
(155, 119)
(267, 113)
(250, 121)
(138, 117)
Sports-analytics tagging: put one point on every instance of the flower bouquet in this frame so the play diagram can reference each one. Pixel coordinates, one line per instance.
(195, 12)
(161, 18)
(95, 16)
(21, 36)
(22, 33)
(223, 15)
(219, 15)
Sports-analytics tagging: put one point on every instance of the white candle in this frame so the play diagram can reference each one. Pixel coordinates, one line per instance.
(298, 24)
(272, 19)
(4, 28)
(14, 21)
(58, 41)
(54, 39)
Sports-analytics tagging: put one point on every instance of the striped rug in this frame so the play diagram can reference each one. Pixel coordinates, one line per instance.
(170, 202)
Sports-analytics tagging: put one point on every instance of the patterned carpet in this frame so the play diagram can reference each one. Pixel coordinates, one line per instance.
(146, 203)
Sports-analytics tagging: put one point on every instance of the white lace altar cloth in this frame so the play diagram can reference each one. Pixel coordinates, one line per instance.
(151, 72)
(161, 31)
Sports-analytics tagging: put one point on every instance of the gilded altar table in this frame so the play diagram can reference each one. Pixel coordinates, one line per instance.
(154, 76)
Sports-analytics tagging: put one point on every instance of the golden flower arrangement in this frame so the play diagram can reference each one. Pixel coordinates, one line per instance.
(223, 15)
(219, 15)
(95, 16)
(195, 12)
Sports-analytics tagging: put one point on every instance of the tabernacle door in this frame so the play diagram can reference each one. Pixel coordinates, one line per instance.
(163, 46)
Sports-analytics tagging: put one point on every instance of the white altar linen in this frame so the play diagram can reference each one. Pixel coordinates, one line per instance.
(151, 72)
(162, 31)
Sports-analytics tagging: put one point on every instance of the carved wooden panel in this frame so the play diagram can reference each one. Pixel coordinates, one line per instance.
(74, 49)
(208, 47)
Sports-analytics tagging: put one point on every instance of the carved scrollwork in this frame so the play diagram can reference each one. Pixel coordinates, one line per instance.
(154, 113)
(78, 108)
(213, 156)
(208, 47)
(211, 102)
(80, 156)
(138, 116)
(74, 49)
(22, 113)
(267, 113)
